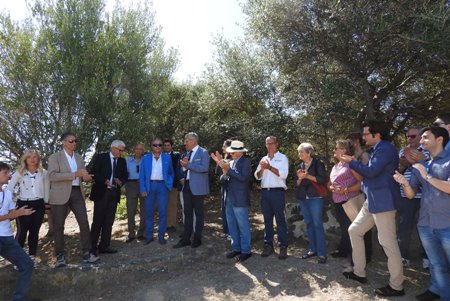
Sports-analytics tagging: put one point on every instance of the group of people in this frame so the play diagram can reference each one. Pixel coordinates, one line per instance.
(367, 190)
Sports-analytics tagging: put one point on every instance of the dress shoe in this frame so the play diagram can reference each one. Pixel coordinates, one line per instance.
(233, 254)
(147, 241)
(141, 237)
(283, 253)
(338, 254)
(427, 296)
(182, 243)
(388, 291)
(130, 239)
(353, 276)
(162, 241)
(171, 229)
(309, 255)
(322, 259)
(107, 251)
(196, 243)
(243, 257)
(268, 250)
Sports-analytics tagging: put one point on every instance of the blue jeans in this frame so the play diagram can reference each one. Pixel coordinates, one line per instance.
(273, 204)
(158, 193)
(312, 215)
(436, 243)
(13, 252)
(239, 227)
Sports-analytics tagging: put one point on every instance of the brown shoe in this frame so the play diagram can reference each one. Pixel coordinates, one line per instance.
(283, 253)
(268, 250)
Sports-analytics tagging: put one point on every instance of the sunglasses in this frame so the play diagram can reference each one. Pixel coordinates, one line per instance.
(137, 168)
(411, 136)
(72, 141)
(157, 145)
(438, 124)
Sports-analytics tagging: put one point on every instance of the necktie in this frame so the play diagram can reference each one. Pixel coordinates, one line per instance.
(114, 168)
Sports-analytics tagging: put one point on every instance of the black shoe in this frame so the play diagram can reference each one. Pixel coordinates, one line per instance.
(141, 237)
(388, 291)
(243, 257)
(268, 250)
(338, 254)
(171, 229)
(322, 259)
(196, 243)
(309, 255)
(233, 254)
(147, 241)
(427, 296)
(283, 253)
(182, 243)
(107, 251)
(130, 239)
(353, 276)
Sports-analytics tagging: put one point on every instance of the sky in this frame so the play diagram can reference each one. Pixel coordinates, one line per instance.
(188, 25)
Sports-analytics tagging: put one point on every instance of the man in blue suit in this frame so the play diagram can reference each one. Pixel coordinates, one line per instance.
(235, 179)
(378, 210)
(155, 182)
(196, 186)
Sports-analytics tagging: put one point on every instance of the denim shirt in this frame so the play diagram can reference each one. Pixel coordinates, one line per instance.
(435, 204)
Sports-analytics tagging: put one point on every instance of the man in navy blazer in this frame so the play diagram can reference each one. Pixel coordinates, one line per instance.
(236, 180)
(378, 210)
(155, 182)
(196, 186)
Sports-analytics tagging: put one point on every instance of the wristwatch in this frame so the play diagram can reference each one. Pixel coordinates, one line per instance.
(429, 176)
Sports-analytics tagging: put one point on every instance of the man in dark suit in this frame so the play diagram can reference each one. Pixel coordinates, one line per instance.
(172, 206)
(378, 210)
(196, 187)
(155, 182)
(110, 174)
(235, 179)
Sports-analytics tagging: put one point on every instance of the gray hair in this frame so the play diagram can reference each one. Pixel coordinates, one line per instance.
(117, 143)
(307, 147)
(191, 136)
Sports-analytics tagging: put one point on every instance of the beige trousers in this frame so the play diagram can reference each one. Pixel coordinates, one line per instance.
(387, 237)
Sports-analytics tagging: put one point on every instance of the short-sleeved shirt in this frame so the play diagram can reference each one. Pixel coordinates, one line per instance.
(132, 167)
(6, 205)
(342, 176)
(434, 204)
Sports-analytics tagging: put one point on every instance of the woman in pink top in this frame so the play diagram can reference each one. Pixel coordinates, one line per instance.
(344, 184)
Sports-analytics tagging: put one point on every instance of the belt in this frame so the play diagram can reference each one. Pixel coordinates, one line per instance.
(133, 180)
(156, 180)
(273, 188)
(30, 200)
(75, 186)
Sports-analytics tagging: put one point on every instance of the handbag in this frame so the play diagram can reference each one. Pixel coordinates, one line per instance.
(354, 205)
(320, 188)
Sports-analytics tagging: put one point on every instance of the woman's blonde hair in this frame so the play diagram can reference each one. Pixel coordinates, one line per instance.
(23, 160)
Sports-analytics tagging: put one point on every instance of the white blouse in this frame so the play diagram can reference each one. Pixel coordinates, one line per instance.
(30, 187)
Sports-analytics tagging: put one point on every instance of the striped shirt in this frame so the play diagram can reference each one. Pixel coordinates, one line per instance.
(342, 176)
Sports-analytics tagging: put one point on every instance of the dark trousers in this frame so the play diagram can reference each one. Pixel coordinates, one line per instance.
(406, 212)
(223, 195)
(345, 245)
(273, 205)
(193, 203)
(30, 224)
(103, 219)
(77, 204)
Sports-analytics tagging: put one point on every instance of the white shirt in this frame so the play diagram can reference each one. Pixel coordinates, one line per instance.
(271, 180)
(30, 186)
(73, 167)
(157, 172)
(111, 157)
(194, 150)
(6, 205)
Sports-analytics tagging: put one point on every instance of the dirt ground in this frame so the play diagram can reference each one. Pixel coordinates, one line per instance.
(156, 272)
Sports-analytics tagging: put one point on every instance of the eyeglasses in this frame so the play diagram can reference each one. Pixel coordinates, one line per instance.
(157, 145)
(438, 123)
(120, 149)
(365, 134)
(72, 141)
(411, 136)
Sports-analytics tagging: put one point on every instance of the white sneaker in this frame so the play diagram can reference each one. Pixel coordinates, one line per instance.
(89, 257)
(33, 258)
(405, 262)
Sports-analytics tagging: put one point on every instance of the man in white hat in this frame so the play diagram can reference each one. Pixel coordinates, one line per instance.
(236, 179)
